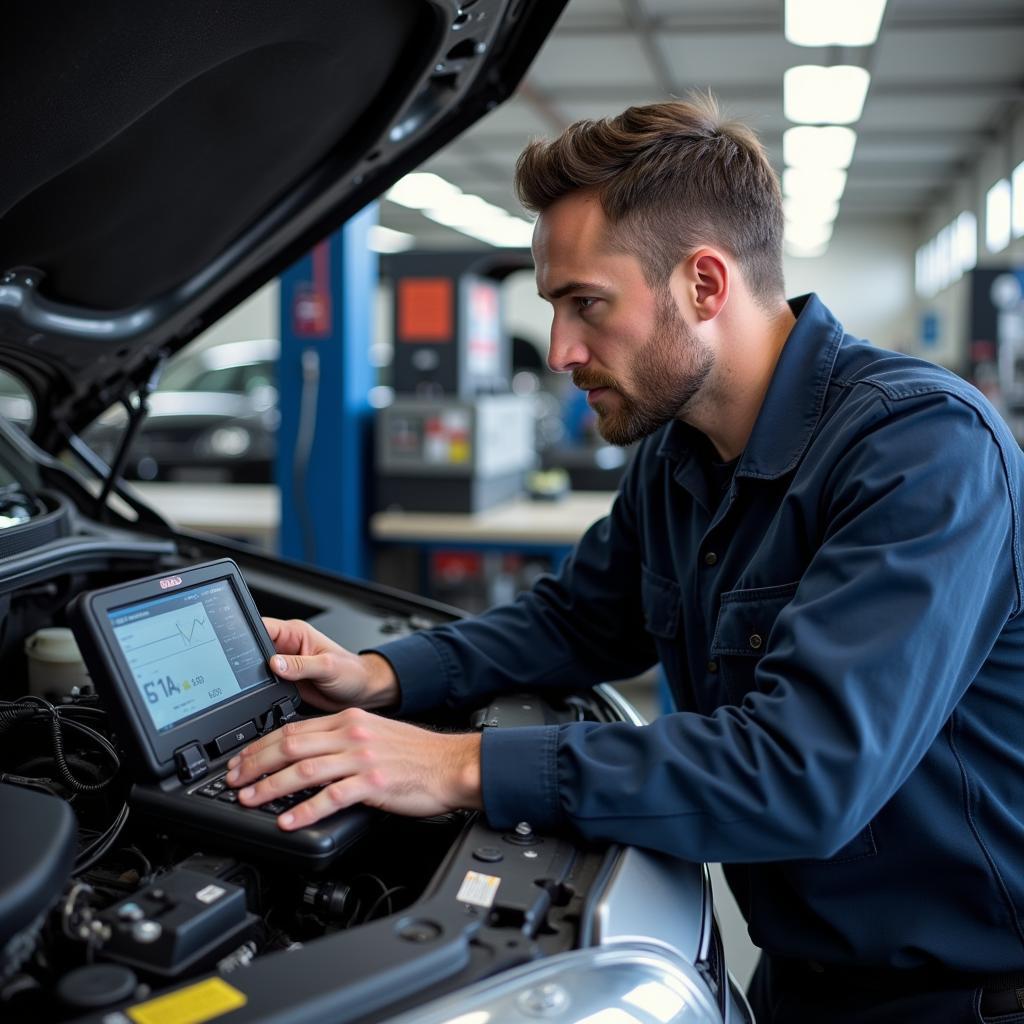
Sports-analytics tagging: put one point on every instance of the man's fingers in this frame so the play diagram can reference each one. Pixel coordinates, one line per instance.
(291, 743)
(343, 793)
(289, 635)
(314, 771)
(294, 636)
(273, 627)
(318, 667)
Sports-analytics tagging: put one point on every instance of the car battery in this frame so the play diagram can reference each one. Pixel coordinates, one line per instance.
(184, 920)
(448, 454)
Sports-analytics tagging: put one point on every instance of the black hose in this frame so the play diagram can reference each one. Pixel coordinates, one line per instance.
(40, 708)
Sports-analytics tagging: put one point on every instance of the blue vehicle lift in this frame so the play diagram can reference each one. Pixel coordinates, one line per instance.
(324, 379)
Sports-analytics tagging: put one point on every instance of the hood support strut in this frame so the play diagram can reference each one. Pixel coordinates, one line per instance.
(137, 413)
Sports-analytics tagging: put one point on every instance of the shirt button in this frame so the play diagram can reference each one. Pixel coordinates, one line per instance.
(712, 666)
(710, 558)
(755, 641)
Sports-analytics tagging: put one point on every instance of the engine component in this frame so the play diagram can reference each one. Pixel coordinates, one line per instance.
(96, 985)
(183, 919)
(330, 900)
(34, 869)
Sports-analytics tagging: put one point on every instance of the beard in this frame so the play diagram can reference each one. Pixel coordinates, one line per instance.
(666, 373)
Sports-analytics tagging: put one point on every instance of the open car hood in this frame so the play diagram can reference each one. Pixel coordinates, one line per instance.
(163, 161)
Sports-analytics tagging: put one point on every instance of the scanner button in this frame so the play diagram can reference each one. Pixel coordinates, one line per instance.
(235, 738)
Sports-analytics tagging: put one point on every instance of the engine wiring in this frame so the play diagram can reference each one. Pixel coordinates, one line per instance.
(33, 707)
(100, 846)
(386, 895)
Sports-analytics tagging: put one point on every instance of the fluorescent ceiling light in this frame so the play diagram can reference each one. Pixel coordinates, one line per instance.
(463, 211)
(818, 95)
(797, 208)
(1017, 219)
(806, 251)
(924, 274)
(833, 22)
(507, 233)
(421, 190)
(808, 234)
(818, 147)
(384, 239)
(946, 255)
(997, 216)
(447, 204)
(822, 185)
(966, 241)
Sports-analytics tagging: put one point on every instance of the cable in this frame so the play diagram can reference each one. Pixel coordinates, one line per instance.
(100, 739)
(386, 895)
(24, 708)
(99, 848)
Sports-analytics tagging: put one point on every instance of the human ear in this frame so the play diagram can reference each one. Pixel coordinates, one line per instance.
(707, 274)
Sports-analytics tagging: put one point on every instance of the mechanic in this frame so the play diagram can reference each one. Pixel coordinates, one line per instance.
(820, 543)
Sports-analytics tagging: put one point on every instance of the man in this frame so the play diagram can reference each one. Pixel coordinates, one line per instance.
(818, 540)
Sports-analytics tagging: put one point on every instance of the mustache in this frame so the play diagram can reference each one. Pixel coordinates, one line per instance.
(589, 381)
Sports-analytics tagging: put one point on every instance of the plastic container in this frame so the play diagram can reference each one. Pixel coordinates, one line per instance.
(55, 665)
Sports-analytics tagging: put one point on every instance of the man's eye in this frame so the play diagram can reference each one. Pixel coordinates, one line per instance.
(584, 303)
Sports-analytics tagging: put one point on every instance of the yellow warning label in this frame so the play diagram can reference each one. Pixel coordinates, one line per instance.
(192, 1005)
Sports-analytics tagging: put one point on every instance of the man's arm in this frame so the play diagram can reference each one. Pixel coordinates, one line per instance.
(897, 612)
(583, 626)
(574, 629)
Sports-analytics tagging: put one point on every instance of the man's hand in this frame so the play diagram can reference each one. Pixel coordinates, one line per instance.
(359, 758)
(327, 676)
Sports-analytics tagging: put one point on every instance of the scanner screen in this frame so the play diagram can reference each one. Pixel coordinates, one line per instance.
(189, 651)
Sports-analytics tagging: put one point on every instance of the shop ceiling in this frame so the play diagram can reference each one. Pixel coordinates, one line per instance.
(944, 74)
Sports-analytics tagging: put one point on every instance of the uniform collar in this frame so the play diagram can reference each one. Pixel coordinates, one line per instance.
(792, 405)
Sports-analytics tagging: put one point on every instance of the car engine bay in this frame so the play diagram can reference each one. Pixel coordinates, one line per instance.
(106, 903)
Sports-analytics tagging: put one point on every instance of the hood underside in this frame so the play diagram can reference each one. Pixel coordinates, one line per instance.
(163, 161)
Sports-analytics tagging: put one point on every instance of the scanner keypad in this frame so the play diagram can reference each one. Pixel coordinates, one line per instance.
(218, 789)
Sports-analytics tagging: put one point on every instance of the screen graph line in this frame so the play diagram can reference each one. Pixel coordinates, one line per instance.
(179, 631)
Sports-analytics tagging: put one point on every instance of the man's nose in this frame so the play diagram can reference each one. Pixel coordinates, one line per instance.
(566, 350)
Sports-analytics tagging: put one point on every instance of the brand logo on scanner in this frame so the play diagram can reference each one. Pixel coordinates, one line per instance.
(171, 581)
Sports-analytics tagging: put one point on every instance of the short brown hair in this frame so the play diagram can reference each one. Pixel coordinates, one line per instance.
(670, 177)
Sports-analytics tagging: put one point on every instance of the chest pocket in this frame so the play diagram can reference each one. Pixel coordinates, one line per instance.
(745, 621)
(660, 598)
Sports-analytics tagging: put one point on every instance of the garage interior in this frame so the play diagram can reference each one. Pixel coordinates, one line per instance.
(352, 417)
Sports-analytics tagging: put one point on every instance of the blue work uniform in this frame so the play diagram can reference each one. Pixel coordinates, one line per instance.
(841, 629)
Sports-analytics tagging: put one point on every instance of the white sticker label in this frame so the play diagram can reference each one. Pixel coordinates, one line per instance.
(478, 889)
(210, 894)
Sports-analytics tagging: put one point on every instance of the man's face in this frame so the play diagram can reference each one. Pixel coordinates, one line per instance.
(625, 343)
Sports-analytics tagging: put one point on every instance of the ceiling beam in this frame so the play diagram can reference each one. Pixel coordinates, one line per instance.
(543, 106)
(755, 92)
(640, 23)
(966, 137)
(711, 21)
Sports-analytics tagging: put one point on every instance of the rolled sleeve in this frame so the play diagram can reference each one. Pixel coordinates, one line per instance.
(519, 770)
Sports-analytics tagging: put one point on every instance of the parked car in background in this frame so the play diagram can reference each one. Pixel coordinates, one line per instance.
(213, 418)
